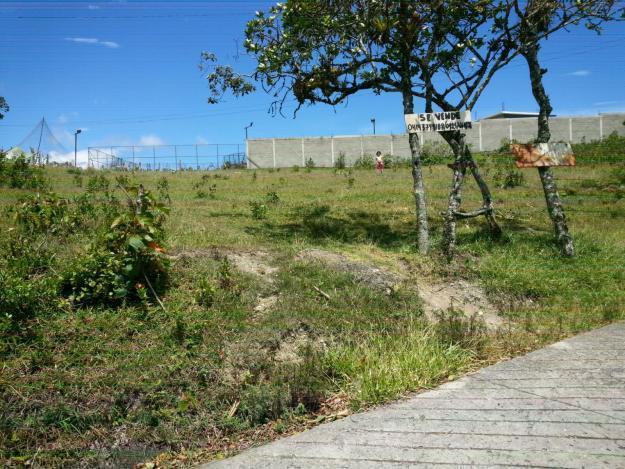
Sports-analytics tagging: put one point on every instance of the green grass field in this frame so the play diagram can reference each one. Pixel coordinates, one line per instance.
(211, 372)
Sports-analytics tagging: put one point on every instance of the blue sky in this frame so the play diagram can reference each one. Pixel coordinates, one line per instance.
(127, 73)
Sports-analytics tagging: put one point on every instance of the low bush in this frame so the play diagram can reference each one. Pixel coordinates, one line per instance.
(609, 150)
(364, 162)
(125, 257)
(258, 209)
(433, 153)
(19, 173)
(339, 163)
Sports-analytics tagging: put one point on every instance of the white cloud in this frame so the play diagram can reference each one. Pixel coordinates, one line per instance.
(62, 119)
(151, 139)
(609, 103)
(82, 157)
(93, 7)
(580, 73)
(200, 140)
(93, 40)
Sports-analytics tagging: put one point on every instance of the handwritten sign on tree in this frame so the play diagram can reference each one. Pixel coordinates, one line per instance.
(438, 121)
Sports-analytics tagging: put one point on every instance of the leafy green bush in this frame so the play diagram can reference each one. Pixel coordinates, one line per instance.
(507, 177)
(433, 153)
(339, 163)
(98, 183)
(19, 173)
(23, 298)
(258, 209)
(364, 162)
(42, 213)
(205, 295)
(310, 163)
(272, 197)
(125, 257)
(609, 150)
(162, 186)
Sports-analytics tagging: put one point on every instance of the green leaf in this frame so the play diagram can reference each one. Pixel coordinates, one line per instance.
(136, 243)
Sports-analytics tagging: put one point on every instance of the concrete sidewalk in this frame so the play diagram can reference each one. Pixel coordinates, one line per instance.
(562, 406)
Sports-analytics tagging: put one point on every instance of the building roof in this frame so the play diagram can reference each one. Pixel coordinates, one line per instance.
(512, 115)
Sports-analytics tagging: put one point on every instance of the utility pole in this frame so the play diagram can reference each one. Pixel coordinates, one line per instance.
(76, 147)
(373, 122)
(247, 127)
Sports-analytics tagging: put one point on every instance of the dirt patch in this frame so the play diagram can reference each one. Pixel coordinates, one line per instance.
(253, 262)
(460, 295)
(266, 303)
(249, 262)
(375, 277)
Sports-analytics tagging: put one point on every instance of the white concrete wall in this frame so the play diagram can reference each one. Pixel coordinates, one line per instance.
(486, 135)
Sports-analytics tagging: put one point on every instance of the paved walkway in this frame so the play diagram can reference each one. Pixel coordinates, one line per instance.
(562, 406)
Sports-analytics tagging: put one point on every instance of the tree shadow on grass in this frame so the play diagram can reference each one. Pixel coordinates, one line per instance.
(316, 222)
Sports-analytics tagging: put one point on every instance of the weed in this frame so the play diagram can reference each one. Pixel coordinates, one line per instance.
(258, 209)
(339, 163)
(98, 183)
(508, 177)
(162, 186)
(125, 257)
(205, 295)
(364, 162)
(272, 197)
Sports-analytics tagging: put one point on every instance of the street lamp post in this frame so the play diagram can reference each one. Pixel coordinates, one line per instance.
(247, 127)
(76, 147)
(373, 122)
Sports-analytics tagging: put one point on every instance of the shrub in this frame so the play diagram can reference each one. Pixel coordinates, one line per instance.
(98, 183)
(508, 177)
(611, 150)
(433, 153)
(162, 186)
(23, 298)
(205, 295)
(364, 162)
(339, 163)
(126, 256)
(272, 197)
(44, 213)
(258, 209)
(19, 173)
(310, 164)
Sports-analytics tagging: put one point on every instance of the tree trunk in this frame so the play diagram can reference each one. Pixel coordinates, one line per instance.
(463, 160)
(487, 199)
(547, 178)
(417, 178)
(453, 206)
